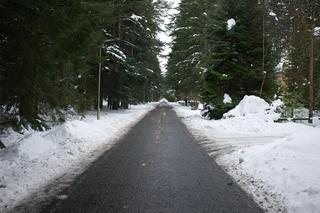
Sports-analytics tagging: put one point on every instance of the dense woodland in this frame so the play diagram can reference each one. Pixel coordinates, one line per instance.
(50, 54)
(49, 57)
(265, 41)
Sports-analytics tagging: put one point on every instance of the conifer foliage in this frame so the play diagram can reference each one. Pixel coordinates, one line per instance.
(50, 53)
(296, 32)
(185, 62)
(235, 57)
(226, 54)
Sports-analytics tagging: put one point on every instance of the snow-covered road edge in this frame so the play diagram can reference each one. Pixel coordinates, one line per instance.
(288, 166)
(276, 163)
(263, 194)
(219, 146)
(42, 158)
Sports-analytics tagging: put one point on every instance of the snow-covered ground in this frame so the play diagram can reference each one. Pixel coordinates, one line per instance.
(35, 159)
(278, 163)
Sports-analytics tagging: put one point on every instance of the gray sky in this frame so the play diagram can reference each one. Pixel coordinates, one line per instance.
(164, 36)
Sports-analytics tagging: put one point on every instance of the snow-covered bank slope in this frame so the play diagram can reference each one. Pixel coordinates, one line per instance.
(244, 126)
(278, 163)
(290, 166)
(41, 157)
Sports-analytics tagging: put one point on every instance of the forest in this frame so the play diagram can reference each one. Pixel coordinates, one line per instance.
(264, 48)
(49, 58)
(51, 52)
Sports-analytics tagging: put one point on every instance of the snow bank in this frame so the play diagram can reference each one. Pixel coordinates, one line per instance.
(278, 163)
(290, 166)
(253, 106)
(9, 137)
(38, 158)
(252, 117)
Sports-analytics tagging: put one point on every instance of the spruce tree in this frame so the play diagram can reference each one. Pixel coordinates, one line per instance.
(234, 61)
(185, 62)
(50, 53)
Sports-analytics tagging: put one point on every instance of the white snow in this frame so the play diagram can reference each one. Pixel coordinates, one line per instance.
(227, 99)
(271, 13)
(225, 75)
(277, 163)
(150, 70)
(290, 166)
(231, 23)
(317, 31)
(136, 17)
(115, 51)
(284, 60)
(35, 159)
(255, 108)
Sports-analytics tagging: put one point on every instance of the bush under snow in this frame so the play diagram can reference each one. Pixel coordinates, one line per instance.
(253, 106)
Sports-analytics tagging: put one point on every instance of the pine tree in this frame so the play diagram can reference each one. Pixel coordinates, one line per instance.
(50, 53)
(295, 21)
(185, 62)
(234, 61)
(135, 75)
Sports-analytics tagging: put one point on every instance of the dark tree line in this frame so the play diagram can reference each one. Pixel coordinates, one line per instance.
(295, 32)
(50, 54)
(238, 47)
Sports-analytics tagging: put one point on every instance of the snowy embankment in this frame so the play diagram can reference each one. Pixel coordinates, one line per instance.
(277, 163)
(39, 158)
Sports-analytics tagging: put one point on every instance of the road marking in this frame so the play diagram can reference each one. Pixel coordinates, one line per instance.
(158, 138)
(159, 126)
(157, 134)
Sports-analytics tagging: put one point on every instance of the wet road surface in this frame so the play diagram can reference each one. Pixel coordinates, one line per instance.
(157, 167)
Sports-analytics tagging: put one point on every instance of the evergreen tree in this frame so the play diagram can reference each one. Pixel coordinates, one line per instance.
(235, 58)
(50, 53)
(295, 23)
(42, 54)
(136, 70)
(185, 62)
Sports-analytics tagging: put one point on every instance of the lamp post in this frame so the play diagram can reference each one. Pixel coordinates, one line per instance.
(99, 84)
(264, 72)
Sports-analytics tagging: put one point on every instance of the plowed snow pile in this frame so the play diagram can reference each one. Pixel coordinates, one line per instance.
(290, 166)
(278, 163)
(35, 159)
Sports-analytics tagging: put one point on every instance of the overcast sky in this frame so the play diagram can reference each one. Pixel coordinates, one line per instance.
(164, 36)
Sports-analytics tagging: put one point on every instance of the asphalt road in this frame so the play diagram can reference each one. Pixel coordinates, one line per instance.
(157, 167)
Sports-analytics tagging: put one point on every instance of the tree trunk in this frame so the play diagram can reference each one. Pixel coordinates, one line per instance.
(124, 104)
(311, 77)
(110, 102)
(101, 102)
(28, 101)
(115, 104)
